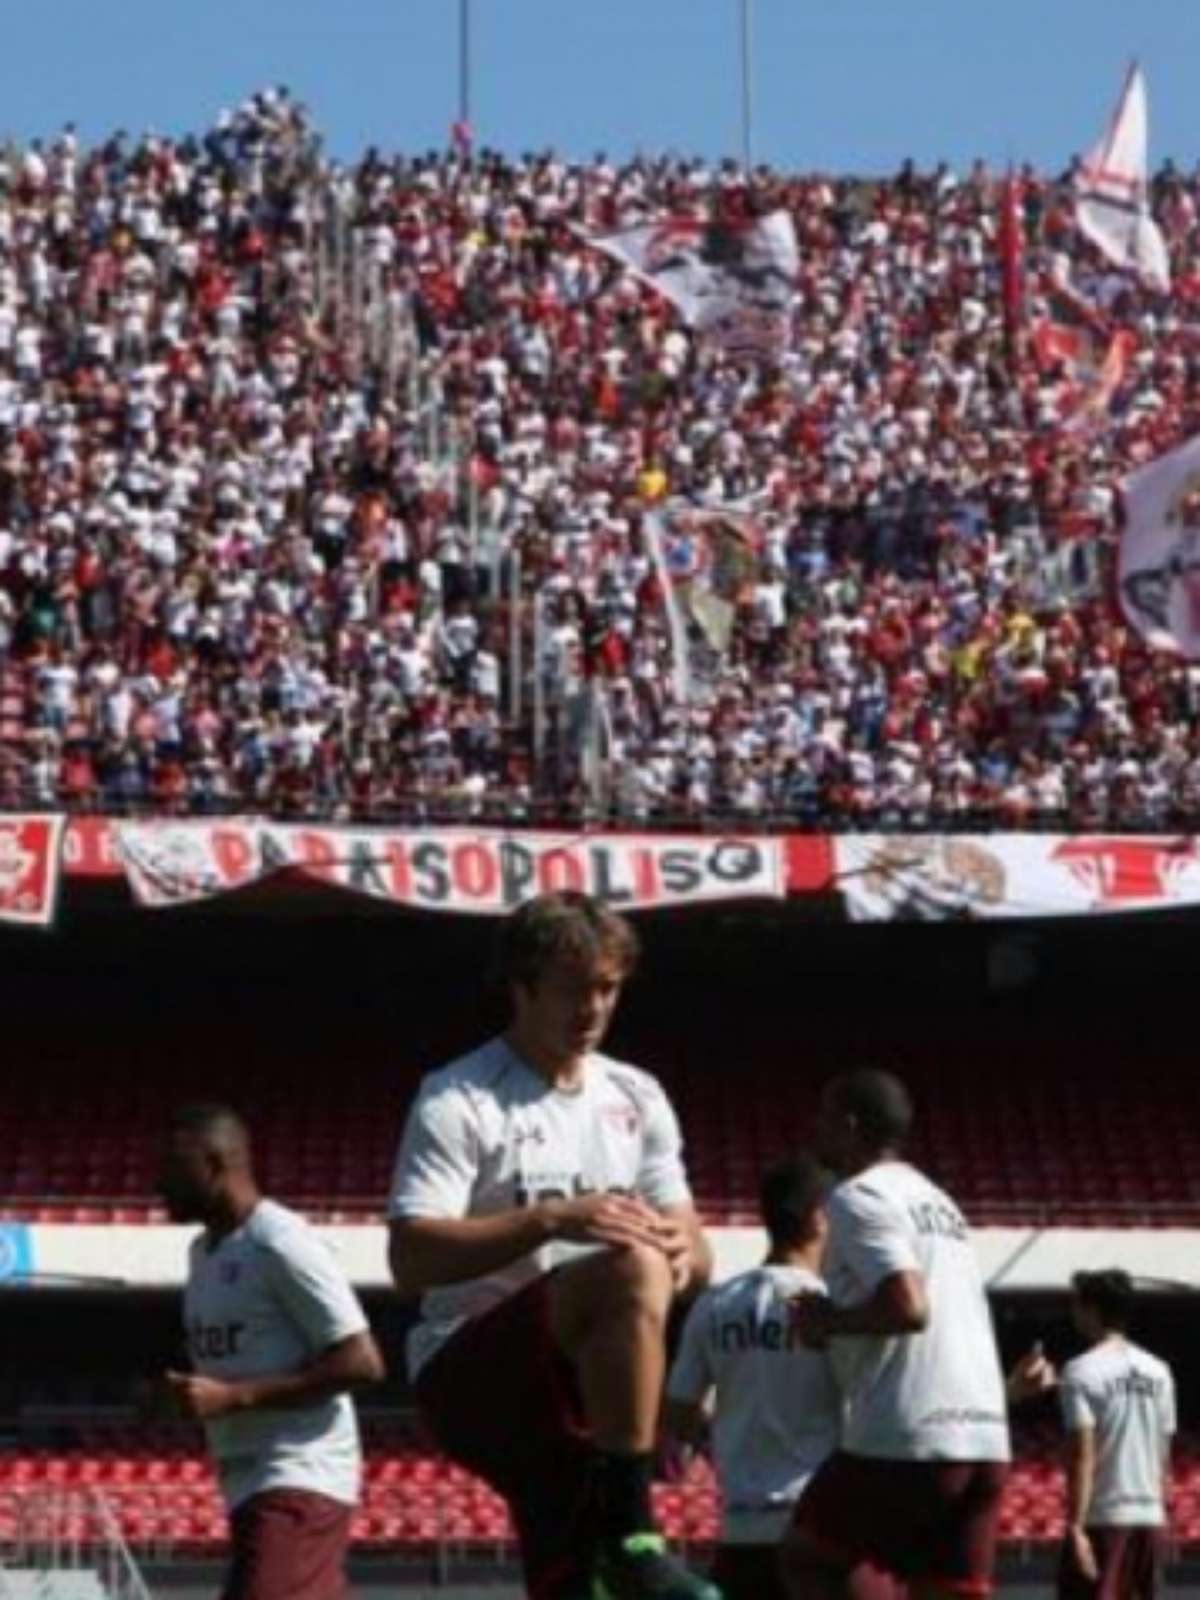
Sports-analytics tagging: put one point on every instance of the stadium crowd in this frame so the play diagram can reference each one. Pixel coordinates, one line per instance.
(293, 453)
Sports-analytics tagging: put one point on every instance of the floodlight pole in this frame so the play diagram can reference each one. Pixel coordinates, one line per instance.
(464, 62)
(747, 86)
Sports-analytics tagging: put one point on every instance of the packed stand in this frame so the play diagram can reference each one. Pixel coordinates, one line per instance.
(323, 492)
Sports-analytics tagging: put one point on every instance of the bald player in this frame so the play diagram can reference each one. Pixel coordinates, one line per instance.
(277, 1341)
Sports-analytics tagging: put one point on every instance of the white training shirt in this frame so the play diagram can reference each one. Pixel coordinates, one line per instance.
(488, 1133)
(262, 1301)
(937, 1395)
(778, 1410)
(1128, 1397)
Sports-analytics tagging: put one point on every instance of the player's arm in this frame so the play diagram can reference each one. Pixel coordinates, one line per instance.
(897, 1306)
(426, 1252)
(662, 1180)
(689, 1387)
(311, 1292)
(352, 1363)
(872, 1238)
(1079, 1421)
(687, 1247)
(1081, 1475)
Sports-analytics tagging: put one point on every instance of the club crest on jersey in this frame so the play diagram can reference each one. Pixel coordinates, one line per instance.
(624, 1119)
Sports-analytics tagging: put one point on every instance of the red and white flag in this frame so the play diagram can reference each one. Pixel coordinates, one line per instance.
(733, 282)
(1112, 201)
(30, 868)
(1158, 570)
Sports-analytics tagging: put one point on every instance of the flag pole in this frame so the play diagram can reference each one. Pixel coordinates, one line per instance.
(747, 86)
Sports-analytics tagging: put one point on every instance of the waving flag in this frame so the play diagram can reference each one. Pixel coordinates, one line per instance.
(732, 281)
(1159, 566)
(1112, 206)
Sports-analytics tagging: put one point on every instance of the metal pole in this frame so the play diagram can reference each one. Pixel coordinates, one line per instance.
(747, 88)
(464, 63)
(514, 633)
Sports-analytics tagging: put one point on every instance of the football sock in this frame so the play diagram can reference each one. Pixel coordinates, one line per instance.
(623, 1493)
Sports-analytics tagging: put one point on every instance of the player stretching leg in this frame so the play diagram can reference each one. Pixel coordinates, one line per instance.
(540, 1207)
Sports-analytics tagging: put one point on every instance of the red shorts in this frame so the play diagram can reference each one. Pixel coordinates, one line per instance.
(930, 1521)
(1130, 1560)
(752, 1572)
(288, 1544)
(500, 1399)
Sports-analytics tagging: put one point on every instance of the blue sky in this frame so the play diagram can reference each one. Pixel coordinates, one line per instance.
(852, 85)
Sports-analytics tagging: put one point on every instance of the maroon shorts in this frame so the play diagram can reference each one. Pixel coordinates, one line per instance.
(288, 1544)
(1130, 1560)
(928, 1521)
(753, 1572)
(500, 1399)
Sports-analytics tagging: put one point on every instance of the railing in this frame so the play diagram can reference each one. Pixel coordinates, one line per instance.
(69, 1530)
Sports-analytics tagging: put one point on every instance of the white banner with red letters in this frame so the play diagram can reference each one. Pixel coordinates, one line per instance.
(938, 877)
(453, 869)
(30, 868)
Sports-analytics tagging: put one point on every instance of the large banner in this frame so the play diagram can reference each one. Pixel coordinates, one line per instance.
(1158, 571)
(732, 282)
(30, 869)
(459, 870)
(940, 877)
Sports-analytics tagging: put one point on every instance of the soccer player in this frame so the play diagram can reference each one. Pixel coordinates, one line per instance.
(540, 1207)
(778, 1411)
(277, 1341)
(915, 1487)
(1118, 1406)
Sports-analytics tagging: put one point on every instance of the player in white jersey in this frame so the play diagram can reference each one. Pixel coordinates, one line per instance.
(776, 1407)
(916, 1486)
(540, 1207)
(277, 1340)
(1118, 1406)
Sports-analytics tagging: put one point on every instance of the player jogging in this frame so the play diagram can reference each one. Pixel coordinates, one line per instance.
(777, 1411)
(1118, 1406)
(916, 1486)
(540, 1207)
(277, 1341)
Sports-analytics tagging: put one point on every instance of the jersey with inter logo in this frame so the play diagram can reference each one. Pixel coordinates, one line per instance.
(1128, 1397)
(487, 1133)
(937, 1395)
(778, 1411)
(266, 1300)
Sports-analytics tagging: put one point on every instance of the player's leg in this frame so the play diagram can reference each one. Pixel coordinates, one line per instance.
(288, 1544)
(851, 1530)
(811, 1571)
(608, 1317)
(502, 1402)
(959, 1552)
(748, 1572)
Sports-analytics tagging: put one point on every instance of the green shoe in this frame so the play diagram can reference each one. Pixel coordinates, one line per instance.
(640, 1567)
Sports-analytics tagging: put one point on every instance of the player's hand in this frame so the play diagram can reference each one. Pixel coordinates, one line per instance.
(812, 1318)
(1033, 1375)
(200, 1398)
(675, 1242)
(1083, 1554)
(613, 1219)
